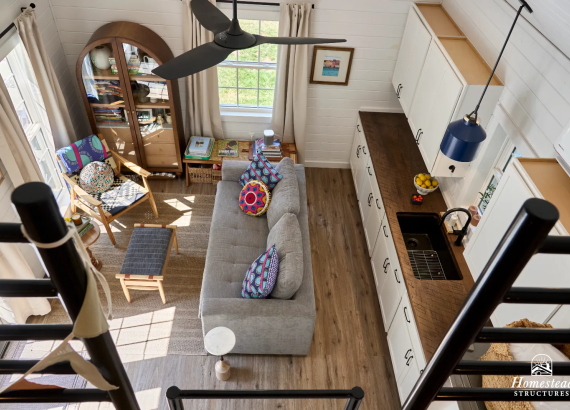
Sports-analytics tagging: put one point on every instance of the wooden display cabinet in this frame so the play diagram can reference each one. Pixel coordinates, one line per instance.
(136, 112)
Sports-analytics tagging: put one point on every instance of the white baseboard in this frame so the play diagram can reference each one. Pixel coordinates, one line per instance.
(395, 110)
(326, 164)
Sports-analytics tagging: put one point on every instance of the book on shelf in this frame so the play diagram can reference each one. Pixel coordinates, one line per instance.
(272, 151)
(85, 229)
(199, 148)
(228, 148)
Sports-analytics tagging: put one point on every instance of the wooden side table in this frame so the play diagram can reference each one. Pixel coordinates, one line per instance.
(89, 239)
(288, 150)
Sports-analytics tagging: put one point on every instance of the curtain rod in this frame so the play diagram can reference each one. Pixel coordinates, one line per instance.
(11, 26)
(259, 3)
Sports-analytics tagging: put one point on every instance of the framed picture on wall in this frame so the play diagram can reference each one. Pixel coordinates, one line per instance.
(331, 65)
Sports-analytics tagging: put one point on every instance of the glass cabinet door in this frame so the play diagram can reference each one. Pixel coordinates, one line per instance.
(105, 93)
(152, 107)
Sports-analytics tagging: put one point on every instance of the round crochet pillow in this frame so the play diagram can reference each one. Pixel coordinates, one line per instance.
(254, 198)
(96, 177)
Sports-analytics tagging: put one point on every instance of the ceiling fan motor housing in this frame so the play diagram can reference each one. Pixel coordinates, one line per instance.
(235, 42)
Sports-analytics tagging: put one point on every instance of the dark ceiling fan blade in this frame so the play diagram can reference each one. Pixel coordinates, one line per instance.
(209, 16)
(297, 40)
(193, 61)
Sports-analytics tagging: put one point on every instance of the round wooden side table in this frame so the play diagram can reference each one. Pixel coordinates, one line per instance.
(218, 342)
(89, 239)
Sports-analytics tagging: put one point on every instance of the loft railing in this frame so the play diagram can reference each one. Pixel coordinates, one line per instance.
(175, 396)
(527, 235)
(40, 217)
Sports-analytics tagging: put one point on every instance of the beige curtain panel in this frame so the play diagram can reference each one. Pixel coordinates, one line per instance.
(57, 112)
(202, 100)
(290, 100)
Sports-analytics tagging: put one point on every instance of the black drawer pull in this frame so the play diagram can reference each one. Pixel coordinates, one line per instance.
(378, 206)
(358, 152)
(409, 360)
(385, 261)
(358, 127)
(416, 136)
(369, 173)
(406, 314)
(365, 153)
(386, 268)
(407, 353)
(419, 136)
(369, 198)
(384, 229)
(396, 275)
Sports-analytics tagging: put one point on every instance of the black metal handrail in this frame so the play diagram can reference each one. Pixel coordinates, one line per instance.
(526, 236)
(175, 396)
(43, 223)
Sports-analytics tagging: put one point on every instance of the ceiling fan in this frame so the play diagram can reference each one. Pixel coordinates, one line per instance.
(228, 37)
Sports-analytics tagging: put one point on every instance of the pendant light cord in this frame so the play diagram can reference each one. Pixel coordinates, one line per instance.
(523, 6)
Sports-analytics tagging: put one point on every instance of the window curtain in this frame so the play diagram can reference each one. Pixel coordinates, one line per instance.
(57, 112)
(290, 100)
(202, 100)
(21, 167)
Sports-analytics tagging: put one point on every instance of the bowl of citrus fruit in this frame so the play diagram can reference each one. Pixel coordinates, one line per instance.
(425, 183)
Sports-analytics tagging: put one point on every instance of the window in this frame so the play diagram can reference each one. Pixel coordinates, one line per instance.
(246, 79)
(16, 71)
(508, 152)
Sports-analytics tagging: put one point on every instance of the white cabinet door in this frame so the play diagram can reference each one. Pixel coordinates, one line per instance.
(389, 296)
(414, 60)
(400, 345)
(426, 91)
(379, 261)
(364, 196)
(541, 271)
(376, 192)
(355, 158)
(373, 219)
(429, 139)
(407, 383)
(394, 261)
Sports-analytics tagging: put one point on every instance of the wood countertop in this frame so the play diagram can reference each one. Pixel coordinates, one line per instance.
(396, 159)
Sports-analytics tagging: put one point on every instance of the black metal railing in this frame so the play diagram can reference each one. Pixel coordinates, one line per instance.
(175, 396)
(526, 236)
(40, 216)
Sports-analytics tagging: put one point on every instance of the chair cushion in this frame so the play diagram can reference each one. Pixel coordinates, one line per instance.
(285, 196)
(286, 236)
(254, 198)
(261, 169)
(122, 194)
(96, 177)
(75, 156)
(147, 251)
(261, 275)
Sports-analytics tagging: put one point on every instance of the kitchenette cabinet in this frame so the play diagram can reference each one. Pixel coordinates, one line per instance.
(524, 178)
(439, 80)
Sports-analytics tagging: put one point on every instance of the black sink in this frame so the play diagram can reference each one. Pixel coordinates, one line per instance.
(429, 252)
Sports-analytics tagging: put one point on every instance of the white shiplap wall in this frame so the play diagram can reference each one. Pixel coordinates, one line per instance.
(373, 27)
(49, 31)
(536, 75)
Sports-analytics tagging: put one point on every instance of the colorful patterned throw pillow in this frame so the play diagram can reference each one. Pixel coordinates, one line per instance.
(96, 177)
(261, 276)
(261, 169)
(254, 198)
(77, 155)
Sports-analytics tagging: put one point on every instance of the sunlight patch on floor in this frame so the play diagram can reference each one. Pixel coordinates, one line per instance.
(149, 399)
(176, 204)
(184, 220)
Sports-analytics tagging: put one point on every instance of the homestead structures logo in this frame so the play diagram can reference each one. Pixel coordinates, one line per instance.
(541, 365)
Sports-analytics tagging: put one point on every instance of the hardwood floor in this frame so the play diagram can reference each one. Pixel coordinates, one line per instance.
(349, 346)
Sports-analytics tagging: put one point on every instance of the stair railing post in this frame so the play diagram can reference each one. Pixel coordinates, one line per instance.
(521, 241)
(41, 218)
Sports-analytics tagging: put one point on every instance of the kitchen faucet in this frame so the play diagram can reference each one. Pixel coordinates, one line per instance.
(460, 233)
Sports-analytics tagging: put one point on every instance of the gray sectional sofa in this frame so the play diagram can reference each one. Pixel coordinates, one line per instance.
(262, 326)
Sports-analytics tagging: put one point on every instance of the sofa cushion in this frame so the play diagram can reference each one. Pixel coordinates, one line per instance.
(285, 196)
(260, 278)
(262, 170)
(286, 236)
(236, 240)
(254, 198)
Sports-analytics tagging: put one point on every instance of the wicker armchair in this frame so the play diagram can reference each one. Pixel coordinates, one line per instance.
(123, 195)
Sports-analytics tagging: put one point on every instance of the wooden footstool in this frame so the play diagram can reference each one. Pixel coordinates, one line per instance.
(146, 258)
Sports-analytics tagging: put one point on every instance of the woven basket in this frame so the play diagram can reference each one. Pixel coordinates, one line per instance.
(501, 351)
(216, 176)
(200, 175)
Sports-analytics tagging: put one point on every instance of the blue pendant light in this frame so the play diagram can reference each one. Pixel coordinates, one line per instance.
(463, 138)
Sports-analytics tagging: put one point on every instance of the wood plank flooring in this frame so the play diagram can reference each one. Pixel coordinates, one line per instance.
(349, 346)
